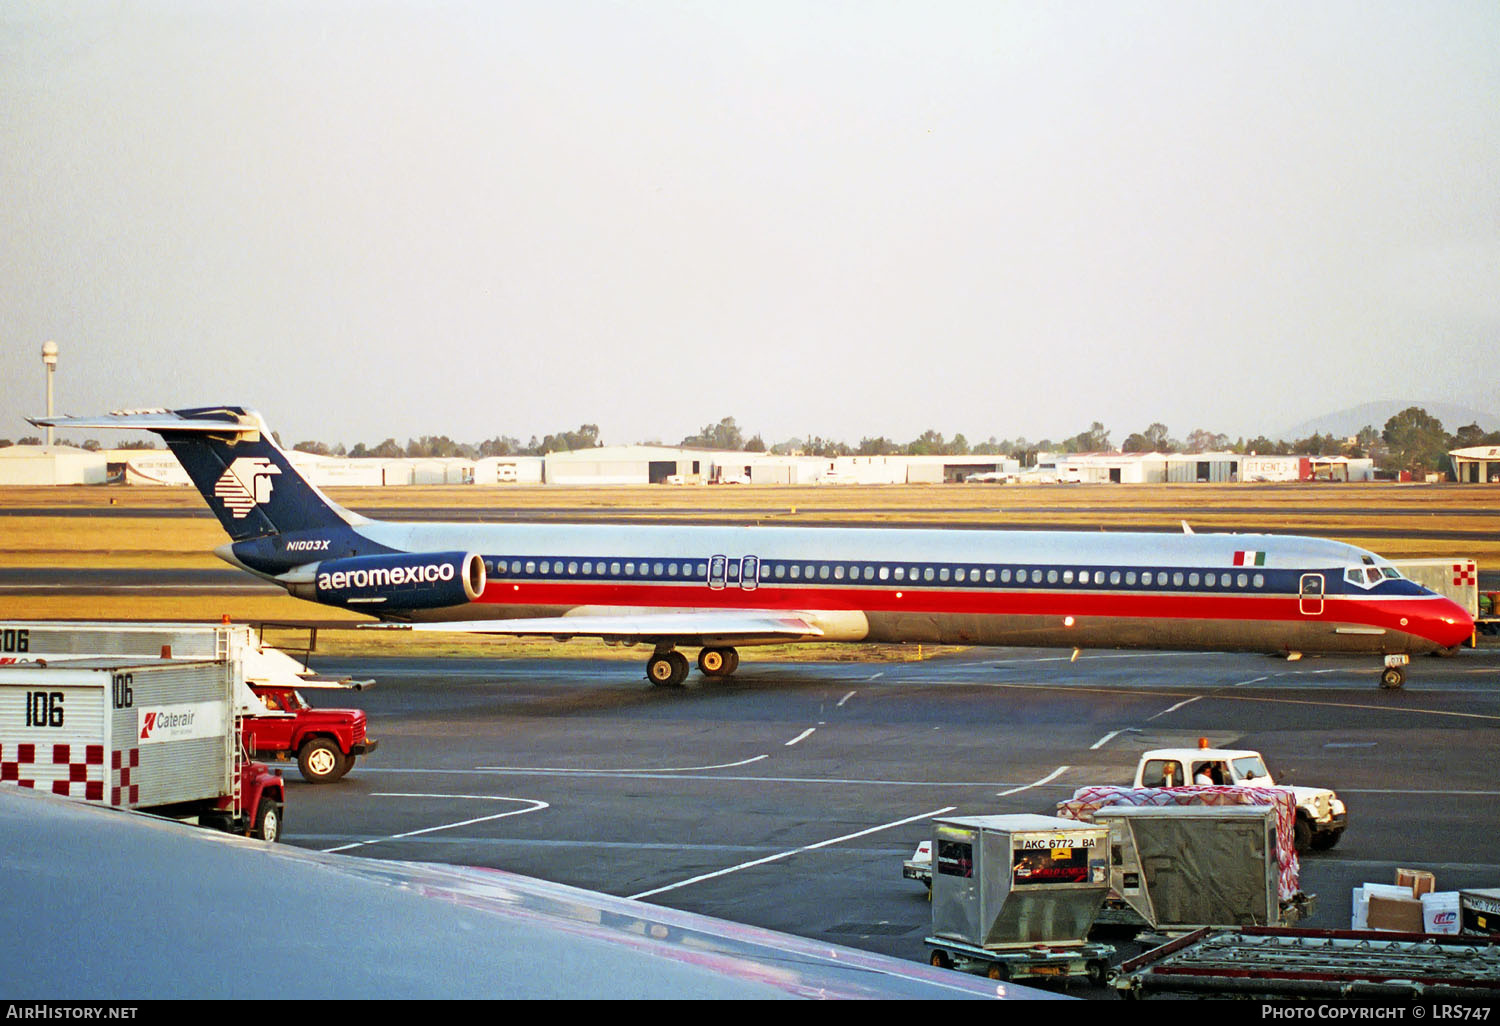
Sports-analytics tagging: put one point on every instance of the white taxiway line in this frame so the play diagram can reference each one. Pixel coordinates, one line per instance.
(802, 736)
(1027, 787)
(532, 805)
(1104, 740)
(795, 851)
(844, 699)
(619, 772)
(1174, 708)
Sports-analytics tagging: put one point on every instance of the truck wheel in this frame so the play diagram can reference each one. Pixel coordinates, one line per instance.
(268, 820)
(1302, 835)
(321, 762)
(1325, 840)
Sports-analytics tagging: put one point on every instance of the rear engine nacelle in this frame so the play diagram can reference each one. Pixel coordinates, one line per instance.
(412, 580)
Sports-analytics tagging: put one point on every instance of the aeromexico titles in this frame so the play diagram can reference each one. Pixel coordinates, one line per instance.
(720, 588)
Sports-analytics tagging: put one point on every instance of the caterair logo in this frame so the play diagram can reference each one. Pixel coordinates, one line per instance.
(180, 722)
(246, 484)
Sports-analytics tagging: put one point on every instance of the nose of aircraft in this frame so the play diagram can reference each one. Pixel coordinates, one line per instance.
(1443, 622)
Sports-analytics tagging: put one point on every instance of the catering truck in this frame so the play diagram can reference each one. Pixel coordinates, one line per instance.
(158, 737)
(278, 722)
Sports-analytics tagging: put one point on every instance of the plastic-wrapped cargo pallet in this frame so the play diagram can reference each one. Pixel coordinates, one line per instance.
(1088, 800)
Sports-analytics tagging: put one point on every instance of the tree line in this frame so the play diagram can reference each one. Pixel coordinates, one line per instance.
(1412, 440)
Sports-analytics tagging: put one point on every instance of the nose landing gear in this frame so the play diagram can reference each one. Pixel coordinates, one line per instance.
(1394, 674)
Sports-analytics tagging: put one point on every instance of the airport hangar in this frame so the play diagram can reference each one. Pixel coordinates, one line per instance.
(676, 465)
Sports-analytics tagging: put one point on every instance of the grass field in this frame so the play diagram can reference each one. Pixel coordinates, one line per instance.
(122, 527)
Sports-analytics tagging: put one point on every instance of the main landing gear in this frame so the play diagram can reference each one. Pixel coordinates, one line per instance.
(668, 668)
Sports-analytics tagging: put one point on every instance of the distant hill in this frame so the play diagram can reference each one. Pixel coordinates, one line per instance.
(1348, 422)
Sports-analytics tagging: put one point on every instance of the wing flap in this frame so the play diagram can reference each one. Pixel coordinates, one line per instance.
(687, 628)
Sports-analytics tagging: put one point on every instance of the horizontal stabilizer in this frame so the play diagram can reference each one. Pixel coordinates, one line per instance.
(206, 421)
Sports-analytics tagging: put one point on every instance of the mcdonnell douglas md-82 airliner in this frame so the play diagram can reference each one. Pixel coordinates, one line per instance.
(720, 588)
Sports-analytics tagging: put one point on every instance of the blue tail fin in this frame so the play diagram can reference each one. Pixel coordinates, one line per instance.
(244, 476)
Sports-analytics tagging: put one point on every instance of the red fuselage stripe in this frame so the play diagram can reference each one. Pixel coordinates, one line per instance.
(1370, 612)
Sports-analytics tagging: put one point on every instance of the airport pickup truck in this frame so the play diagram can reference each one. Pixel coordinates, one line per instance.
(1321, 815)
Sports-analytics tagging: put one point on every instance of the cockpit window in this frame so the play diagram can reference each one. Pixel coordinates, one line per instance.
(1391, 573)
(1364, 576)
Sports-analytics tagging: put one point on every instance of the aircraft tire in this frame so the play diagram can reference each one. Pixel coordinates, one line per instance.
(667, 669)
(718, 662)
(1392, 677)
(712, 663)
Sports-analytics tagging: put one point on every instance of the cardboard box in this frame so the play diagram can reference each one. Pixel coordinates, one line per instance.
(1419, 880)
(1403, 915)
(1440, 912)
(1359, 920)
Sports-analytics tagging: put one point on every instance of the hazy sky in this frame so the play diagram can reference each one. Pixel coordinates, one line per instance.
(395, 218)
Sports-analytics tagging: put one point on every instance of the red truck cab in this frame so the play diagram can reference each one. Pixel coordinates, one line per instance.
(325, 742)
(256, 811)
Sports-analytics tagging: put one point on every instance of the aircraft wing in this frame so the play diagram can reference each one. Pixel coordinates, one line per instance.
(690, 627)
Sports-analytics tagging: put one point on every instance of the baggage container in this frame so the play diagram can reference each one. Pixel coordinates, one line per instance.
(1479, 912)
(1016, 881)
(1180, 867)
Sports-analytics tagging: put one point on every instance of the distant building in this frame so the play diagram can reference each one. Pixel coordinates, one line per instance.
(1479, 464)
(492, 470)
(51, 465)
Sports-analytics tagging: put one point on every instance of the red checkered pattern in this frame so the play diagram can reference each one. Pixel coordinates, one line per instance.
(122, 766)
(1463, 573)
(71, 771)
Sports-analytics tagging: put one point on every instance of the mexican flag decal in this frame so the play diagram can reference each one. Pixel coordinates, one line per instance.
(1249, 559)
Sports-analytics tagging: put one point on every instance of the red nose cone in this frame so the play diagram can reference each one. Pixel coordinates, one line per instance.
(1443, 622)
